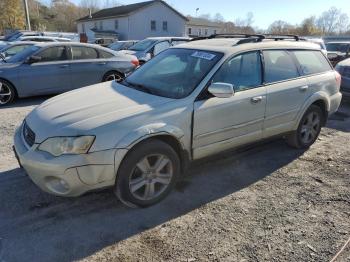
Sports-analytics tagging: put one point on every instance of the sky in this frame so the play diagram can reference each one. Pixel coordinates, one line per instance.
(265, 11)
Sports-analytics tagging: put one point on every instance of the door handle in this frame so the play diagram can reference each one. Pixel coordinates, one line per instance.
(63, 66)
(303, 88)
(256, 99)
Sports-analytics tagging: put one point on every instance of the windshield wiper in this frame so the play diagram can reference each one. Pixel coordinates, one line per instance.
(139, 87)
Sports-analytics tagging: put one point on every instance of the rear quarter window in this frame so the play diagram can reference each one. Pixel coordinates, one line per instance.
(312, 62)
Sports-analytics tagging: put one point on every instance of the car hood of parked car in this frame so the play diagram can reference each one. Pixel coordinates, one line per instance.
(83, 111)
(7, 66)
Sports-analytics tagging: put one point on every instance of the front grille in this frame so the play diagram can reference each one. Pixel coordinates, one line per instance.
(28, 135)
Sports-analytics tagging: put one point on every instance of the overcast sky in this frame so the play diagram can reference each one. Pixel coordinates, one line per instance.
(265, 11)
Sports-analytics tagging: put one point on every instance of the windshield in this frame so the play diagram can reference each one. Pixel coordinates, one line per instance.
(337, 47)
(13, 50)
(21, 56)
(116, 46)
(13, 36)
(143, 45)
(174, 73)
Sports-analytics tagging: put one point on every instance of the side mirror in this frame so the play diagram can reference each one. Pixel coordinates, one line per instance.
(33, 59)
(221, 90)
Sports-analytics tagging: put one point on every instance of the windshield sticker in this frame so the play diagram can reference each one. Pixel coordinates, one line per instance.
(203, 55)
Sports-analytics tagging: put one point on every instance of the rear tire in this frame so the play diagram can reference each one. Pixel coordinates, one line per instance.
(308, 130)
(113, 75)
(147, 174)
(7, 92)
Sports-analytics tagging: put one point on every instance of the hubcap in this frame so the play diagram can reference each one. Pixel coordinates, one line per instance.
(310, 127)
(151, 177)
(5, 93)
(115, 77)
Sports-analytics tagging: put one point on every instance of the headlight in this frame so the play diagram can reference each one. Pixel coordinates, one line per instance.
(57, 146)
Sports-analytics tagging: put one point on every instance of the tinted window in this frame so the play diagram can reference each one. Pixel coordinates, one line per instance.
(143, 45)
(160, 47)
(279, 66)
(338, 47)
(312, 62)
(242, 71)
(104, 54)
(82, 52)
(153, 25)
(57, 53)
(174, 73)
(12, 50)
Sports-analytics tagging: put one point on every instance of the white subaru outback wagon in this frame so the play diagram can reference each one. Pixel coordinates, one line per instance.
(189, 102)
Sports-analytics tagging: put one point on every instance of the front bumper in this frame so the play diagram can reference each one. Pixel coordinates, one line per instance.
(68, 175)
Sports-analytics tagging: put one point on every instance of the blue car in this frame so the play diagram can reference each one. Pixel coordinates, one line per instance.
(52, 68)
(343, 68)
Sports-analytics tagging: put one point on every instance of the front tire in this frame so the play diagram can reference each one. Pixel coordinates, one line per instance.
(7, 92)
(113, 75)
(147, 174)
(308, 130)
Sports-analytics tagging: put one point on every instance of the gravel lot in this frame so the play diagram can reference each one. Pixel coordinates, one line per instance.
(267, 203)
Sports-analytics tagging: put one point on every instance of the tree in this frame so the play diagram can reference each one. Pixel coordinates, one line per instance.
(218, 18)
(308, 27)
(281, 27)
(11, 15)
(333, 21)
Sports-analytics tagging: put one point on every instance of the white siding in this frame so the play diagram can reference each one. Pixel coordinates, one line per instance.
(140, 22)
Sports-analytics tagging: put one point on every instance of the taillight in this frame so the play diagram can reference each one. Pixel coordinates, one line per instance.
(337, 78)
(135, 62)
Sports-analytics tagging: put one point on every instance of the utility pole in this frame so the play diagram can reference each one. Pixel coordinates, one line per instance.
(25, 3)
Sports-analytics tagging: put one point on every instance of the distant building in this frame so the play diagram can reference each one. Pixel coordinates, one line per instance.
(202, 27)
(134, 22)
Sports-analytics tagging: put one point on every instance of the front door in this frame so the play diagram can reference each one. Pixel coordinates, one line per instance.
(50, 75)
(224, 123)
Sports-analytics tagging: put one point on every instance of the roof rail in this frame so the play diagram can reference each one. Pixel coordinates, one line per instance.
(278, 37)
(233, 35)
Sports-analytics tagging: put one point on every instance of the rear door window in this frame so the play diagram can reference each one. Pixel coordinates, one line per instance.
(105, 54)
(279, 66)
(311, 62)
(82, 53)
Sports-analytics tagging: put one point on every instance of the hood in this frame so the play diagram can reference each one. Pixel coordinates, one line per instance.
(7, 66)
(81, 111)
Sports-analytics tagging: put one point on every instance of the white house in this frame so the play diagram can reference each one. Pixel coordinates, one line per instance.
(202, 27)
(134, 22)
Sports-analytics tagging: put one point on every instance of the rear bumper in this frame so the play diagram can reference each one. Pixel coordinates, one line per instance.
(67, 175)
(335, 101)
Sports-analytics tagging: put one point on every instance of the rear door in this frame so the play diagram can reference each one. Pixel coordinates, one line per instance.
(87, 67)
(222, 123)
(287, 90)
(50, 75)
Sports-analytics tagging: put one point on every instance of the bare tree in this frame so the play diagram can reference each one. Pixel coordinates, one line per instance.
(218, 18)
(281, 27)
(333, 21)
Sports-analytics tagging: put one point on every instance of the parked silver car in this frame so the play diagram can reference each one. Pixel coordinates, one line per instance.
(146, 49)
(52, 68)
(122, 45)
(185, 104)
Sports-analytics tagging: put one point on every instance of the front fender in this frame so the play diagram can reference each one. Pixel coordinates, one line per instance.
(312, 99)
(148, 131)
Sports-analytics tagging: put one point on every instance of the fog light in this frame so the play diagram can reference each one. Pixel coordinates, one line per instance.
(57, 185)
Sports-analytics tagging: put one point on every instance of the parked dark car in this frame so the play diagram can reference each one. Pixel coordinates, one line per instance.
(52, 68)
(122, 45)
(338, 51)
(343, 69)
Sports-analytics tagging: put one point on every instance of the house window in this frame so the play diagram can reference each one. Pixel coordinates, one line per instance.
(206, 31)
(153, 25)
(101, 25)
(189, 31)
(83, 27)
(116, 24)
(165, 26)
(214, 31)
(199, 32)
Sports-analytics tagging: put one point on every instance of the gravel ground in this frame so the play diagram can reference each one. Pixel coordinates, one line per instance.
(266, 203)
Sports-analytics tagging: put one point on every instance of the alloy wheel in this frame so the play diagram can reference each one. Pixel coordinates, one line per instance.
(151, 177)
(5, 93)
(310, 127)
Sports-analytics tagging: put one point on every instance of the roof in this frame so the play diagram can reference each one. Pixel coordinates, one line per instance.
(124, 10)
(197, 21)
(228, 46)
